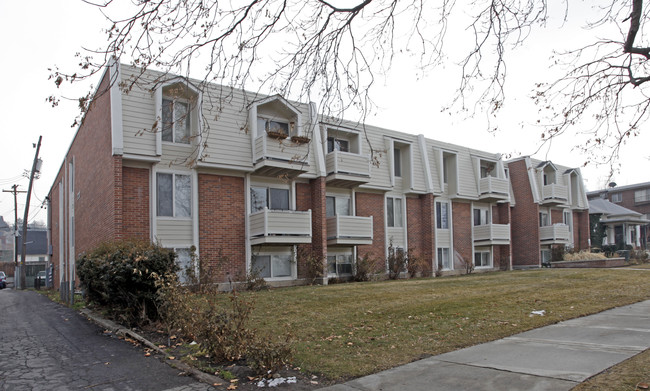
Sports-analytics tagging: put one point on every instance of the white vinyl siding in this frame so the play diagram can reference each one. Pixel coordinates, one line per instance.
(174, 231)
(138, 118)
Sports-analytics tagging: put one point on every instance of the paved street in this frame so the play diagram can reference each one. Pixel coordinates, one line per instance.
(45, 346)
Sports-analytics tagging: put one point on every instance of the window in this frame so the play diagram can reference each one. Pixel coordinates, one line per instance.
(566, 219)
(618, 197)
(482, 258)
(442, 215)
(184, 262)
(487, 169)
(272, 266)
(397, 162)
(481, 216)
(272, 126)
(444, 262)
(641, 196)
(394, 212)
(339, 264)
(337, 206)
(337, 144)
(176, 121)
(272, 198)
(445, 171)
(173, 195)
(544, 219)
(545, 256)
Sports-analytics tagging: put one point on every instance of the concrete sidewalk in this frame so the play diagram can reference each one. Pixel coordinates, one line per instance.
(556, 357)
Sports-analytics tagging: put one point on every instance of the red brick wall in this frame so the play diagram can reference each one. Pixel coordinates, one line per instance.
(557, 216)
(462, 226)
(420, 222)
(371, 204)
(581, 229)
(135, 203)
(524, 224)
(97, 182)
(222, 225)
(501, 254)
(312, 196)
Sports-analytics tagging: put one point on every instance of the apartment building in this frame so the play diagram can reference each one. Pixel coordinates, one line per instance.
(249, 181)
(549, 208)
(636, 198)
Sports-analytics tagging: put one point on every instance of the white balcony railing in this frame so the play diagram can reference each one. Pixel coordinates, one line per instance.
(349, 229)
(492, 184)
(280, 226)
(554, 192)
(556, 233)
(338, 162)
(492, 232)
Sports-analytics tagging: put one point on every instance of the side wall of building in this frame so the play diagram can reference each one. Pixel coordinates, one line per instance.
(524, 224)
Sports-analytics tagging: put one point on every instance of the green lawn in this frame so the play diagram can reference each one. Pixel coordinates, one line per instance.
(350, 330)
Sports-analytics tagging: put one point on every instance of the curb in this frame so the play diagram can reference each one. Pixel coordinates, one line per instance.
(125, 332)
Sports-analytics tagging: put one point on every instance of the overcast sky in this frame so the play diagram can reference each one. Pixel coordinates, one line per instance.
(38, 34)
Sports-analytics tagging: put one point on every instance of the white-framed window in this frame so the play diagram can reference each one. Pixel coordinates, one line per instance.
(272, 125)
(272, 265)
(544, 219)
(339, 264)
(337, 144)
(397, 162)
(442, 215)
(488, 169)
(545, 256)
(481, 216)
(337, 206)
(617, 197)
(641, 196)
(173, 195)
(184, 262)
(444, 260)
(482, 258)
(567, 219)
(269, 197)
(175, 121)
(394, 215)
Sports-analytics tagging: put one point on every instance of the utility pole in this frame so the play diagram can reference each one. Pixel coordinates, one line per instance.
(35, 168)
(15, 191)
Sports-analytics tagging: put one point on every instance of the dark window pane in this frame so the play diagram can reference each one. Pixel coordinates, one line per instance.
(167, 119)
(164, 195)
(261, 264)
(329, 206)
(279, 199)
(258, 199)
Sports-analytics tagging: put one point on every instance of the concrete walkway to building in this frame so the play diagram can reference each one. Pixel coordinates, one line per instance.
(556, 357)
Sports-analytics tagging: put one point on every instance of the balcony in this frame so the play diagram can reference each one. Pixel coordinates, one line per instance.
(492, 234)
(554, 195)
(492, 189)
(279, 158)
(280, 227)
(349, 230)
(345, 169)
(555, 234)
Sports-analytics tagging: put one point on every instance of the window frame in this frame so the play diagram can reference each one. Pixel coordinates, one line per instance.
(397, 162)
(484, 217)
(188, 120)
(336, 258)
(618, 197)
(544, 218)
(440, 264)
(268, 198)
(174, 196)
(336, 144)
(290, 130)
(487, 254)
(290, 261)
(336, 200)
(393, 221)
(440, 223)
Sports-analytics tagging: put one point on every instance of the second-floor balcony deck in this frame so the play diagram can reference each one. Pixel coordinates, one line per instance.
(554, 194)
(555, 234)
(280, 157)
(346, 169)
(493, 189)
(349, 230)
(280, 227)
(492, 234)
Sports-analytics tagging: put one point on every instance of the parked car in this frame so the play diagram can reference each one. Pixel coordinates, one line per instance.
(3, 280)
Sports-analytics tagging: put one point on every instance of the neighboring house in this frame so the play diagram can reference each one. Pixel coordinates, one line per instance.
(549, 209)
(623, 227)
(37, 246)
(7, 244)
(250, 180)
(633, 197)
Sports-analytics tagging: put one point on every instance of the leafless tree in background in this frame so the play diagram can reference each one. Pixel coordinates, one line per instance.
(333, 51)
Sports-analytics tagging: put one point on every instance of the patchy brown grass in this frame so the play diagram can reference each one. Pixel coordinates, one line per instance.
(624, 376)
(349, 330)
